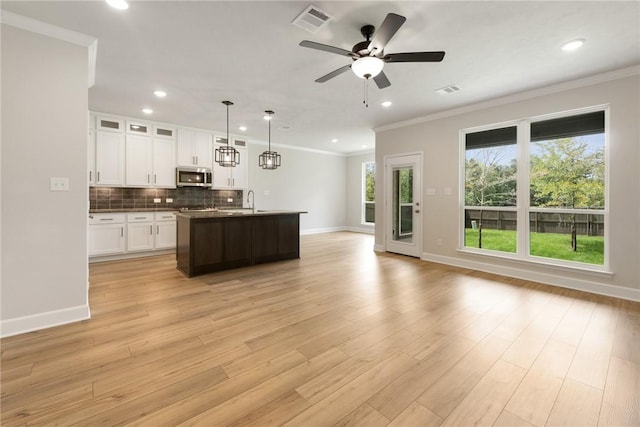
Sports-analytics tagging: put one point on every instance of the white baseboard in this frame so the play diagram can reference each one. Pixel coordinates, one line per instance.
(21, 325)
(131, 255)
(535, 276)
(378, 248)
(322, 230)
(365, 230)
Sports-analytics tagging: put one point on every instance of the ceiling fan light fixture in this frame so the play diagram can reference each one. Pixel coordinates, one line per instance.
(118, 4)
(367, 67)
(573, 45)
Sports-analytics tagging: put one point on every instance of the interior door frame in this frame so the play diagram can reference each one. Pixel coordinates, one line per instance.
(394, 160)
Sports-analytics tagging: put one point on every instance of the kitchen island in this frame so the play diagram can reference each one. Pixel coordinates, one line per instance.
(209, 241)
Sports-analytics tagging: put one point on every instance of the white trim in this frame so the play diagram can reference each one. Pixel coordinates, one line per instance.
(295, 147)
(370, 230)
(378, 248)
(360, 153)
(322, 230)
(545, 278)
(34, 322)
(573, 84)
(93, 56)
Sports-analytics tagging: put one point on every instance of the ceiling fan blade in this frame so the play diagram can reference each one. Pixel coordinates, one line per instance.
(389, 27)
(326, 48)
(333, 74)
(414, 57)
(381, 80)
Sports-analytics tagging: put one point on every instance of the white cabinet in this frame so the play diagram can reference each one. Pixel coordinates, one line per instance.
(194, 148)
(110, 158)
(106, 234)
(232, 177)
(91, 156)
(165, 230)
(138, 161)
(139, 232)
(164, 162)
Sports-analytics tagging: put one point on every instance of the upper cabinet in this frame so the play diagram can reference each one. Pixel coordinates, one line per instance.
(164, 163)
(138, 161)
(194, 148)
(150, 162)
(109, 123)
(232, 177)
(110, 164)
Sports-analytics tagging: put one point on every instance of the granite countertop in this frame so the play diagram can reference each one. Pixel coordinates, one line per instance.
(133, 210)
(234, 212)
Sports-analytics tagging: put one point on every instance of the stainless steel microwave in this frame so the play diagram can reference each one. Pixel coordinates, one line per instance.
(194, 177)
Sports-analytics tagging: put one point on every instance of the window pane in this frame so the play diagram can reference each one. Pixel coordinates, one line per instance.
(369, 212)
(490, 180)
(406, 185)
(568, 173)
(369, 190)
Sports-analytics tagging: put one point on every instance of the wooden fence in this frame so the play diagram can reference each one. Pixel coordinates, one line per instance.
(539, 222)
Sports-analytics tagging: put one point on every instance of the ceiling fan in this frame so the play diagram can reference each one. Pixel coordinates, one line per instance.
(368, 56)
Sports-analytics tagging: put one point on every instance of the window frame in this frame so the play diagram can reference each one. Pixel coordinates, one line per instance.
(523, 207)
(364, 202)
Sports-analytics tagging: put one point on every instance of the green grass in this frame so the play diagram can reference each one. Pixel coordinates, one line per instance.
(548, 245)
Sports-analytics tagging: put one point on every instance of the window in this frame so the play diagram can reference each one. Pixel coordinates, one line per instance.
(369, 190)
(537, 190)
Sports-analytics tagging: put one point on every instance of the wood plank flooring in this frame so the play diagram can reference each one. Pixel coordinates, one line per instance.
(342, 336)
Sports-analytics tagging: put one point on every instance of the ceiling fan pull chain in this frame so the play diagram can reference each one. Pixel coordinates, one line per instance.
(365, 101)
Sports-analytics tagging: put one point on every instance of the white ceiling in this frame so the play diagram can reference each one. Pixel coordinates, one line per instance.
(205, 52)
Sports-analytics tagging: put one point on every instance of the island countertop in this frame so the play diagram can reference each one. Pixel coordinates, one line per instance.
(234, 212)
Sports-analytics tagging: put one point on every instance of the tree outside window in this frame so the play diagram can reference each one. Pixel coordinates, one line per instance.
(369, 190)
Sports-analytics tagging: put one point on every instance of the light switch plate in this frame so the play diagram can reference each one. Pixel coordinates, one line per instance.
(229, 200)
(157, 200)
(169, 200)
(59, 184)
(447, 191)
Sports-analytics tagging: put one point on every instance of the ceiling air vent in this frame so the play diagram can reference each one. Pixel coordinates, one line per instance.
(312, 19)
(448, 89)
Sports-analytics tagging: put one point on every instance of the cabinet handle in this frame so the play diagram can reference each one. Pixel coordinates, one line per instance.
(233, 182)
(157, 229)
(228, 182)
(193, 160)
(197, 160)
(98, 180)
(155, 178)
(89, 175)
(121, 231)
(151, 229)
(140, 217)
(148, 178)
(106, 219)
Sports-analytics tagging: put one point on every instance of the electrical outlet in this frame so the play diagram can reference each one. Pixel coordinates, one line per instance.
(59, 184)
(439, 242)
(169, 200)
(229, 200)
(157, 200)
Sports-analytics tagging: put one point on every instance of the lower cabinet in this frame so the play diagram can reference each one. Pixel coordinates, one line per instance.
(208, 244)
(107, 234)
(135, 232)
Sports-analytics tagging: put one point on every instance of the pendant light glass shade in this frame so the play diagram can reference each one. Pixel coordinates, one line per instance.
(269, 159)
(227, 156)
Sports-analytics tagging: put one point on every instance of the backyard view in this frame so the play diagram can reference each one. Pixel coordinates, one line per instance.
(566, 190)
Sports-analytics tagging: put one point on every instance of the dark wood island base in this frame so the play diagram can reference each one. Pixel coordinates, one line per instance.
(213, 241)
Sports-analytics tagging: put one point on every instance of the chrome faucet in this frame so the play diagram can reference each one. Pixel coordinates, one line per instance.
(253, 200)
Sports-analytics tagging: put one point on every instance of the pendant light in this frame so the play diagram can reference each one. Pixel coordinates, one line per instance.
(269, 159)
(227, 156)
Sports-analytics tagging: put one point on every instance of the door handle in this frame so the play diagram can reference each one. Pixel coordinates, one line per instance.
(151, 229)
(417, 210)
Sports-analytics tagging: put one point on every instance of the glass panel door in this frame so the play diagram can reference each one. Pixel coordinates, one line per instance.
(403, 204)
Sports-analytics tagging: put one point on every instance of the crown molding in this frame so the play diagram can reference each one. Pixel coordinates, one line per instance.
(53, 31)
(547, 90)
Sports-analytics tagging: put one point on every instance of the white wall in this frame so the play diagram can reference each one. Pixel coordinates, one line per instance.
(308, 181)
(354, 192)
(439, 140)
(44, 134)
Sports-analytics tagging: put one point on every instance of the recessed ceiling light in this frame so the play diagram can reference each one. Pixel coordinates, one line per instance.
(147, 110)
(386, 103)
(160, 93)
(243, 128)
(118, 4)
(573, 45)
(334, 140)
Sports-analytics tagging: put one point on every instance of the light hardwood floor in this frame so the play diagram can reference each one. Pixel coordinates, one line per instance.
(343, 336)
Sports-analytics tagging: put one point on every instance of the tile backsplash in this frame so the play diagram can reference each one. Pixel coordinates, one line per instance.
(142, 198)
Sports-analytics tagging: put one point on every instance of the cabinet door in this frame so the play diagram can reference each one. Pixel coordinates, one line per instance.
(221, 176)
(165, 234)
(109, 158)
(138, 161)
(185, 147)
(106, 239)
(164, 163)
(240, 174)
(140, 236)
(202, 147)
(91, 156)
